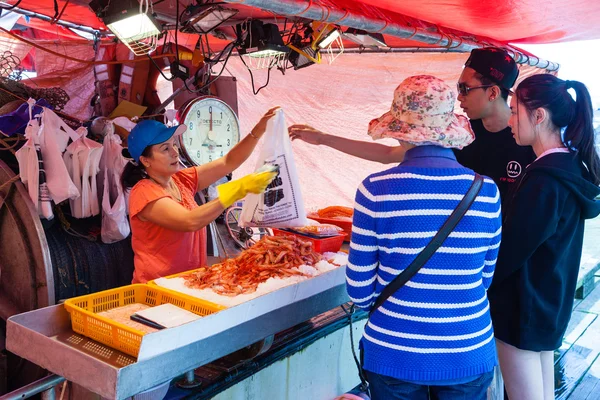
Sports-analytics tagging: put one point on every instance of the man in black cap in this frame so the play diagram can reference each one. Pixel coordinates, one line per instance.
(483, 89)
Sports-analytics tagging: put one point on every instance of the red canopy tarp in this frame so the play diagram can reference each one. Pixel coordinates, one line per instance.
(318, 95)
(502, 20)
(524, 21)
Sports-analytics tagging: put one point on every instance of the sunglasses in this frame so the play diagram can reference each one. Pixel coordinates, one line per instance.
(464, 90)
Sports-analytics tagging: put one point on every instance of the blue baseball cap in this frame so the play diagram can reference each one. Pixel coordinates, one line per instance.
(149, 132)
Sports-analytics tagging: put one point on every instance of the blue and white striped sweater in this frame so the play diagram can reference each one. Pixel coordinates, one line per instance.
(437, 327)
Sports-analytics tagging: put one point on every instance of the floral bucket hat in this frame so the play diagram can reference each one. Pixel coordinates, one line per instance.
(422, 113)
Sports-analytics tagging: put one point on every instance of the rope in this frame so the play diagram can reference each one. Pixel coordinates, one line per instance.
(450, 37)
(13, 6)
(326, 8)
(57, 112)
(442, 37)
(37, 46)
(8, 146)
(384, 27)
(10, 182)
(306, 9)
(66, 225)
(413, 34)
(450, 47)
(341, 19)
(55, 20)
(150, 116)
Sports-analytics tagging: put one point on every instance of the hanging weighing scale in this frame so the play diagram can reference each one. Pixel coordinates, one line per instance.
(212, 130)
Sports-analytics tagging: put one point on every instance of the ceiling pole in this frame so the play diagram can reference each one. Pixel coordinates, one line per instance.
(424, 33)
(66, 24)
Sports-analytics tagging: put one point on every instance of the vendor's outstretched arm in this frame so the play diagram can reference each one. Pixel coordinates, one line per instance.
(212, 171)
(365, 150)
(169, 214)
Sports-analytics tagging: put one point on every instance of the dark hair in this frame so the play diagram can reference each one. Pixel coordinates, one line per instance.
(549, 92)
(134, 172)
(487, 81)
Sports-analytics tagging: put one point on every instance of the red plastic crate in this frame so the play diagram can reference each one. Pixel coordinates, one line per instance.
(320, 245)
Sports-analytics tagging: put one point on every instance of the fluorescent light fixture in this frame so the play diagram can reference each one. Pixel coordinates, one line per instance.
(134, 28)
(302, 58)
(264, 53)
(326, 37)
(138, 31)
(262, 40)
(261, 45)
(329, 38)
(364, 38)
(203, 19)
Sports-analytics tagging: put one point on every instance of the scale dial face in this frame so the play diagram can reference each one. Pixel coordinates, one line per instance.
(212, 130)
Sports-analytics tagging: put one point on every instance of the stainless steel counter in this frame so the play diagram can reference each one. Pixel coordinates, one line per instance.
(45, 337)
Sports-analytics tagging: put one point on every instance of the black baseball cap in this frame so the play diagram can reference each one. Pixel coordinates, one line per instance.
(495, 64)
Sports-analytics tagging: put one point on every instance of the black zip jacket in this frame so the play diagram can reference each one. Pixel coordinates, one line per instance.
(533, 289)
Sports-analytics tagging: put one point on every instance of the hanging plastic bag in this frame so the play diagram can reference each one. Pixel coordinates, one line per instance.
(112, 155)
(281, 205)
(115, 225)
(54, 137)
(82, 161)
(27, 157)
(31, 168)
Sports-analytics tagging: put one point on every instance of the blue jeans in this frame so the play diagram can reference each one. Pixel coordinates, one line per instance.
(388, 388)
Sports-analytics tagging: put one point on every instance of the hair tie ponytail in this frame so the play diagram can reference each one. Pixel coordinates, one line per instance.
(574, 112)
(132, 174)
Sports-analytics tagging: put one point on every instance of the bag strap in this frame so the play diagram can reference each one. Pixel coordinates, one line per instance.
(432, 247)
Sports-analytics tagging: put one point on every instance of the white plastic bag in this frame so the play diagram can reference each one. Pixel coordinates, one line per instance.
(28, 160)
(281, 205)
(115, 225)
(112, 157)
(82, 160)
(54, 137)
(31, 168)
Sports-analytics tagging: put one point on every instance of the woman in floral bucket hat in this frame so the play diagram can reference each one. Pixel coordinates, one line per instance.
(433, 337)
(422, 113)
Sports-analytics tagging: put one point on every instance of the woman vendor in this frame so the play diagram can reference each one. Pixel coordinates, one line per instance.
(167, 225)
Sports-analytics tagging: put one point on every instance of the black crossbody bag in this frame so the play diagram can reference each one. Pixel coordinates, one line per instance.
(424, 256)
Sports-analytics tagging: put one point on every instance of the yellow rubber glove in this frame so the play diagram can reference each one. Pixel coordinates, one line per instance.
(233, 191)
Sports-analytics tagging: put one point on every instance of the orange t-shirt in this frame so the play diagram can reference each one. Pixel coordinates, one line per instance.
(160, 251)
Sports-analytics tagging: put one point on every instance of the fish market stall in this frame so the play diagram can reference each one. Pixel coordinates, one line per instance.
(269, 317)
(58, 338)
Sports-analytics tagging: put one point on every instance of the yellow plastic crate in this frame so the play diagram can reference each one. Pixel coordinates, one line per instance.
(84, 320)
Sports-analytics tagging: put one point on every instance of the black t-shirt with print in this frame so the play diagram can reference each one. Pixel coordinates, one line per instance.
(497, 155)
